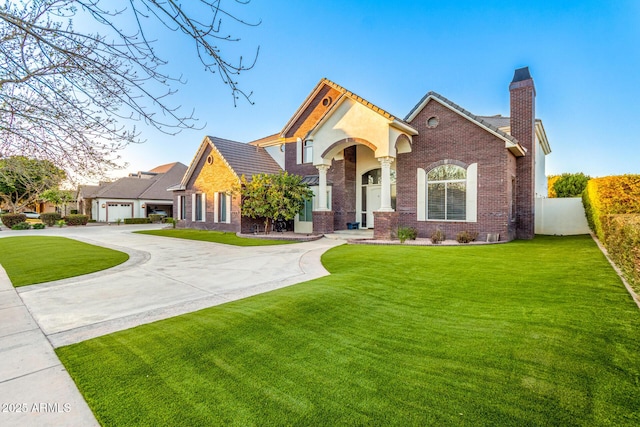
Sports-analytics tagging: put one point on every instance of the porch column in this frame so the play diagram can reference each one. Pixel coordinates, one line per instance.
(322, 187)
(385, 191)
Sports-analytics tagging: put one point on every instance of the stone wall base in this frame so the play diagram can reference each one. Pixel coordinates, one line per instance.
(386, 224)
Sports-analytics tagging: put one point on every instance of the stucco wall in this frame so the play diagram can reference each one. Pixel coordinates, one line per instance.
(561, 216)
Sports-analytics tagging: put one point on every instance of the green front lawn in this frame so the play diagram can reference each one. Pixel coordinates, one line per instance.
(214, 236)
(37, 259)
(535, 332)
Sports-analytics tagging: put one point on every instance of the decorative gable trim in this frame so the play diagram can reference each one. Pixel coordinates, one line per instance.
(344, 94)
(196, 160)
(510, 142)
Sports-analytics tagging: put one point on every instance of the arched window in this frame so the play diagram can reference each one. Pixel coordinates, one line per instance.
(447, 193)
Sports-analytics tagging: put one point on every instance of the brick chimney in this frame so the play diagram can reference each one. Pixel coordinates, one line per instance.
(523, 113)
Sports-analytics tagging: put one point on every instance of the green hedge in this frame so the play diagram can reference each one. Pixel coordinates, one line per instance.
(76, 219)
(155, 217)
(610, 195)
(9, 219)
(623, 244)
(50, 218)
(137, 221)
(21, 226)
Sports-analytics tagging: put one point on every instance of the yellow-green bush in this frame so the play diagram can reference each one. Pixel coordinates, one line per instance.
(610, 195)
(622, 239)
(612, 205)
(551, 180)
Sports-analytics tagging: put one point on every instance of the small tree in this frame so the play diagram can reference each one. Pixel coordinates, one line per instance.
(275, 196)
(59, 198)
(23, 179)
(570, 184)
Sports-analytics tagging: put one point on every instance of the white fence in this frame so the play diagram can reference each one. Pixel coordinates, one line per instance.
(561, 216)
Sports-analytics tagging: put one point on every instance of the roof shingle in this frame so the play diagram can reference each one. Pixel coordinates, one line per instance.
(245, 159)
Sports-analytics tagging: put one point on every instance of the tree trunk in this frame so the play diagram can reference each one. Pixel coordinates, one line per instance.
(267, 226)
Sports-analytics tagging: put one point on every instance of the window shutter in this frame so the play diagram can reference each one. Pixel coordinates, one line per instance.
(472, 193)
(216, 205)
(422, 194)
(204, 207)
(228, 200)
(193, 207)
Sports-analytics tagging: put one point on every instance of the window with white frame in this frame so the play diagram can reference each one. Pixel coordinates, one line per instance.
(306, 215)
(181, 209)
(447, 193)
(198, 205)
(223, 208)
(307, 154)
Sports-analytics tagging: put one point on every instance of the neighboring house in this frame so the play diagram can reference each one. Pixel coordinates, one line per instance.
(135, 196)
(208, 197)
(441, 167)
(63, 210)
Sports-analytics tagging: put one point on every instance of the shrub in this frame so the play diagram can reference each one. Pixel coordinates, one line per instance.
(438, 236)
(76, 219)
(570, 184)
(38, 226)
(137, 221)
(610, 196)
(405, 233)
(551, 180)
(50, 218)
(9, 220)
(21, 226)
(466, 236)
(169, 220)
(622, 239)
(155, 217)
(60, 223)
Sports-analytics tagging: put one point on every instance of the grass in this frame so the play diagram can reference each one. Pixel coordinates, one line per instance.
(215, 237)
(37, 259)
(530, 333)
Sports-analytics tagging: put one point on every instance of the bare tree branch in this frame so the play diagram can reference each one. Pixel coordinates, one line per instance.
(72, 97)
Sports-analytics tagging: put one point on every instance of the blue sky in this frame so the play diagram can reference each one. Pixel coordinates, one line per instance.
(584, 57)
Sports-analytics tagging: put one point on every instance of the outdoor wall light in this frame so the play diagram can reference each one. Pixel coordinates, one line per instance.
(104, 206)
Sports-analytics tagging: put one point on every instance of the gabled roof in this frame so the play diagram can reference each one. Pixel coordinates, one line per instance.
(164, 168)
(343, 94)
(124, 188)
(504, 124)
(88, 191)
(132, 187)
(245, 159)
(172, 176)
(510, 142)
(242, 159)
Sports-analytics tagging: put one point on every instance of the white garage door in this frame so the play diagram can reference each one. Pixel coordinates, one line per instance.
(119, 210)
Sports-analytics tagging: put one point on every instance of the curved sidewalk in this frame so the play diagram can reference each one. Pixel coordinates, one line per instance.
(163, 278)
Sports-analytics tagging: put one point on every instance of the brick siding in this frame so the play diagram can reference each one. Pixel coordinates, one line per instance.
(456, 138)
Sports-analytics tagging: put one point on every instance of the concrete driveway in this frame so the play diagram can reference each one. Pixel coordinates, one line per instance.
(163, 278)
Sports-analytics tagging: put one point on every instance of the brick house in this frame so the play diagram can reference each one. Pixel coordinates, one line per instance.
(441, 167)
(207, 197)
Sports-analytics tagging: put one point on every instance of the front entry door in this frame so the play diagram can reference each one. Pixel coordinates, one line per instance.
(373, 202)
